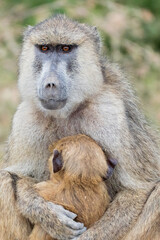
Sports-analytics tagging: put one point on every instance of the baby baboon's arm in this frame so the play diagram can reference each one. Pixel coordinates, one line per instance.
(119, 217)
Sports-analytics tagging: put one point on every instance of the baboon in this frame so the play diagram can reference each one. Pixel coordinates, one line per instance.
(67, 87)
(78, 169)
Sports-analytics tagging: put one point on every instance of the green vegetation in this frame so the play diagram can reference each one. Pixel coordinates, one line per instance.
(130, 30)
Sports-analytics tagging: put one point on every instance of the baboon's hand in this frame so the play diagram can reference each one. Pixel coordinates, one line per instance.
(60, 224)
(54, 219)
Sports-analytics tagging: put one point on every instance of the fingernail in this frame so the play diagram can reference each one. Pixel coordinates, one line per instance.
(74, 215)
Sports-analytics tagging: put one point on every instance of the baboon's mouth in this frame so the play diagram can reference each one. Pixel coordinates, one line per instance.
(52, 104)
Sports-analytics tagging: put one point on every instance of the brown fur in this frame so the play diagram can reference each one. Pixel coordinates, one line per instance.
(79, 185)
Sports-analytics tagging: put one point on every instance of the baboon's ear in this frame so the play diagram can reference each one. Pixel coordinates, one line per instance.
(57, 161)
(111, 165)
(27, 31)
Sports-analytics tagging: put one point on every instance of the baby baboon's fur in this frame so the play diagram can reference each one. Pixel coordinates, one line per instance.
(66, 94)
(79, 185)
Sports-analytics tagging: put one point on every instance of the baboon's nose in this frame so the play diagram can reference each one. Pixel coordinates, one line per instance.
(50, 85)
(51, 90)
(52, 94)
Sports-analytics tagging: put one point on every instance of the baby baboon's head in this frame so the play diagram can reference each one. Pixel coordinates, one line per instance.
(81, 157)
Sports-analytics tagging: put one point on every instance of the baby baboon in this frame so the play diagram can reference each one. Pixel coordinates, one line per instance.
(68, 88)
(78, 169)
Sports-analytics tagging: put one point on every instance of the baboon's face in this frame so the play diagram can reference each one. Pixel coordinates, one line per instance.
(55, 64)
(60, 65)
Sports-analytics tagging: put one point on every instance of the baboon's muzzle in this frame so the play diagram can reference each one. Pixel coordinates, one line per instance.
(52, 95)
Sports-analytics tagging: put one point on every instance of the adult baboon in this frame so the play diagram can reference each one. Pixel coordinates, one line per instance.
(68, 88)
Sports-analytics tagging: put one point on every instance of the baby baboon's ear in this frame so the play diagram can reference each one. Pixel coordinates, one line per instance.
(57, 161)
(111, 165)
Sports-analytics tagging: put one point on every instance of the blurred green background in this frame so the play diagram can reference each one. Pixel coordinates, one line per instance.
(130, 30)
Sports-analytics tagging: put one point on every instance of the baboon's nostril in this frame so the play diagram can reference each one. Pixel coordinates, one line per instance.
(50, 85)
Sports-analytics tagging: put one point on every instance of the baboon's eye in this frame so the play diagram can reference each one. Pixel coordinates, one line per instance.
(44, 48)
(66, 48)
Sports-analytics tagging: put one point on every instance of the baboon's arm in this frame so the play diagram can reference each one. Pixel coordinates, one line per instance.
(27, 155)
(119, 218)
(147, 226)
(53, 218)
(19, 202)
